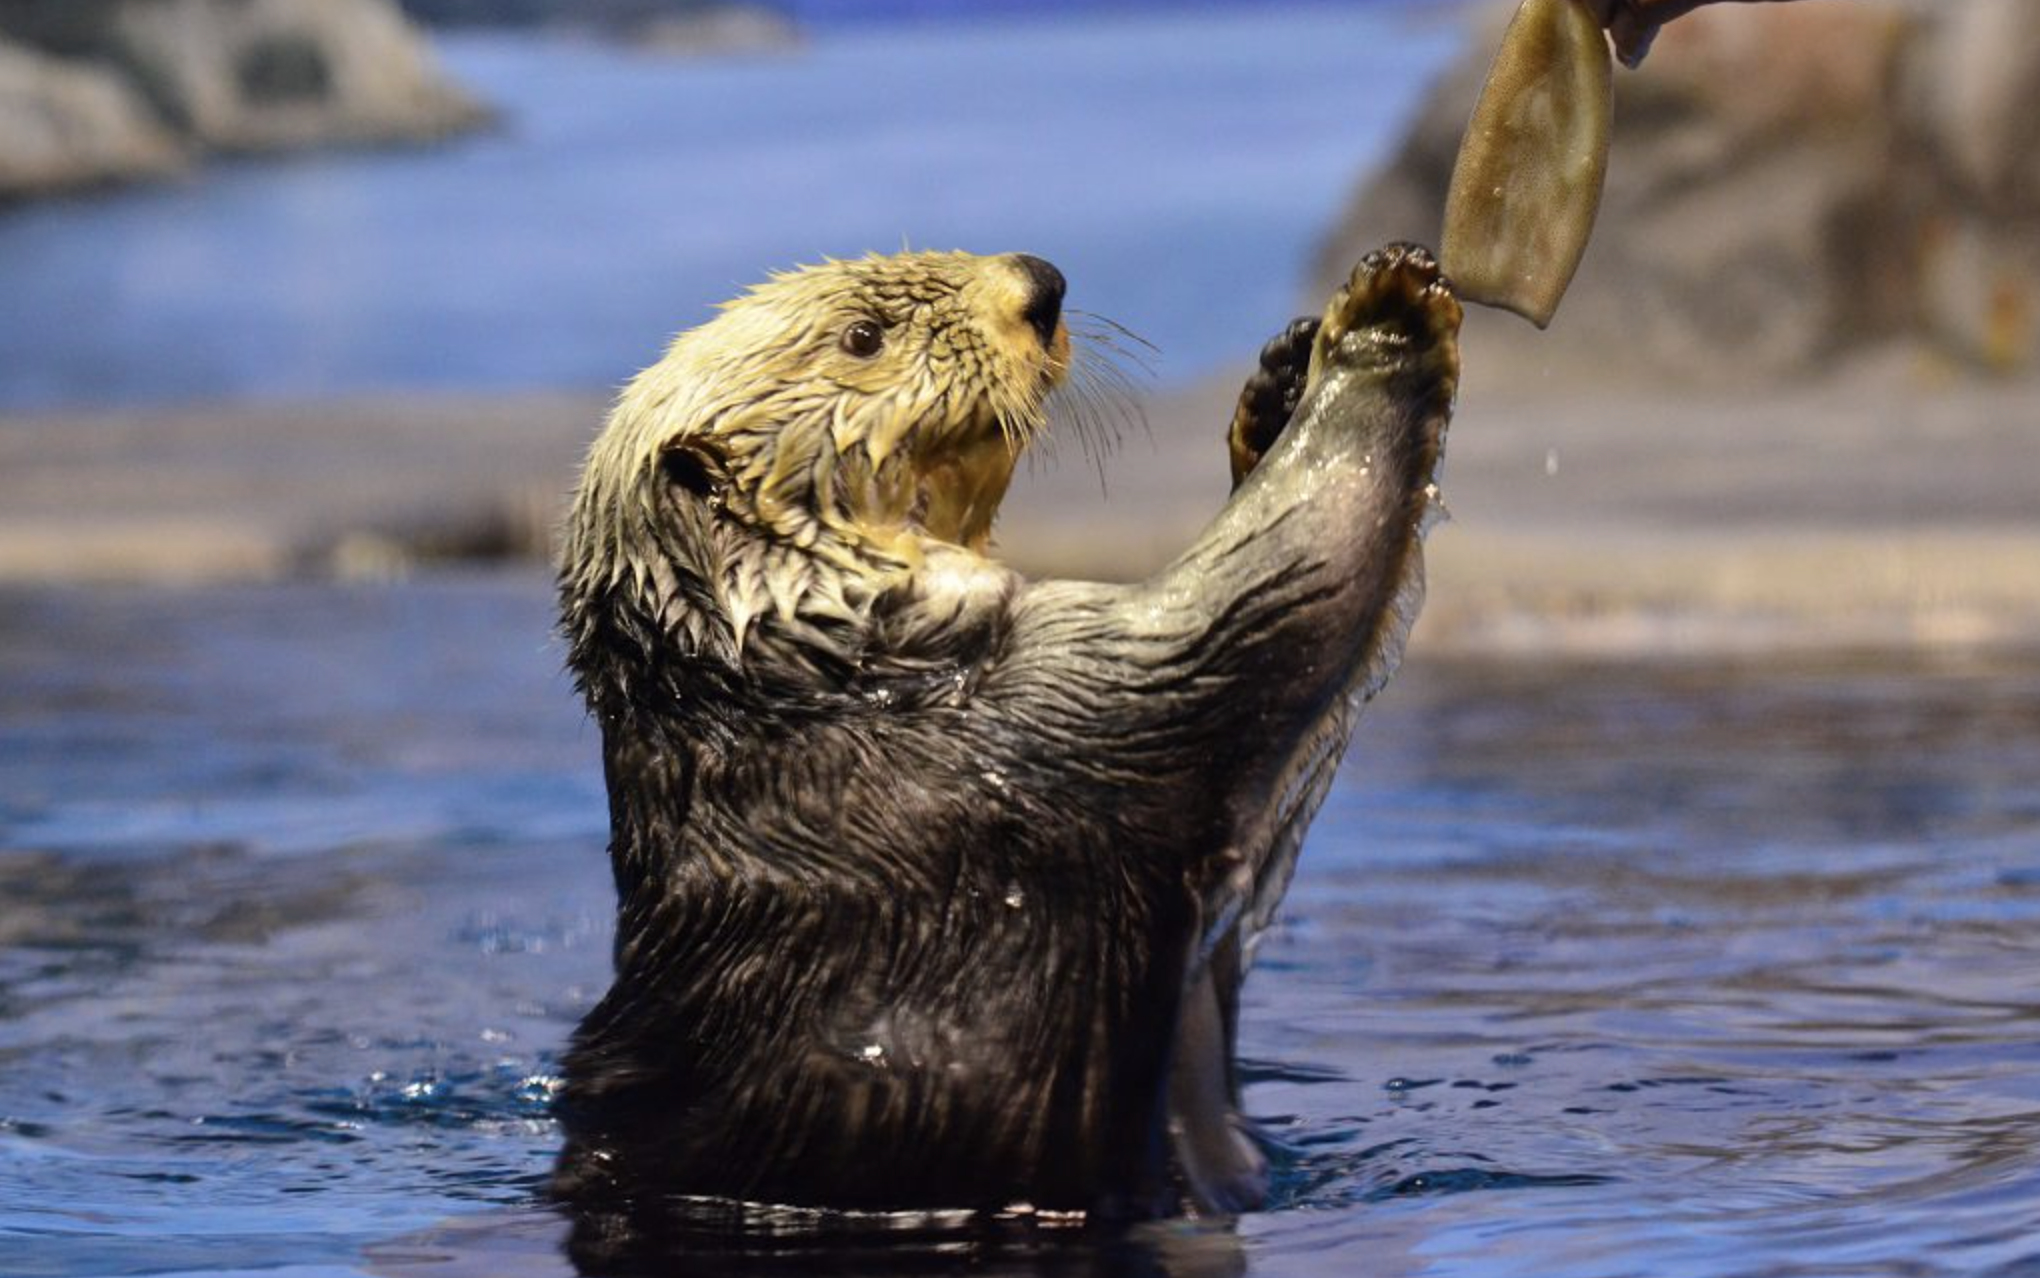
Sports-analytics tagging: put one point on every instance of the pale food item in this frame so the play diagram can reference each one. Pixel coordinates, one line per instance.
(1528, 180)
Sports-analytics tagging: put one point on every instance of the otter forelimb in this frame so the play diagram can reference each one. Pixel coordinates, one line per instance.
(1270, 397)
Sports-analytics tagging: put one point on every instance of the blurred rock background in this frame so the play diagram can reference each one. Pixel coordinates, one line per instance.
(102, 91)
(1790, 399)
(1790, 185)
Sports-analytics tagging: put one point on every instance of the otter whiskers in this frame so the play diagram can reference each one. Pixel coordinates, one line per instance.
(1098, 400)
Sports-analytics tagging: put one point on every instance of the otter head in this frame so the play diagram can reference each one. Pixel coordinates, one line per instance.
(807, 450)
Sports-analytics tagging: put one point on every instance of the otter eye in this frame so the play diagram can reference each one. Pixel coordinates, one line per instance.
(864, 338)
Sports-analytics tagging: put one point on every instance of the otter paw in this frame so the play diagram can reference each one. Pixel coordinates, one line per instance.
(1270, 397)
(1397, 303)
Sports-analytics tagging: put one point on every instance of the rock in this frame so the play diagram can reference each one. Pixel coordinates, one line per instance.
(1972, 92)
(65, 125)
(1788, 183)
(1980, 290)
(1968, 100)
(242, 75)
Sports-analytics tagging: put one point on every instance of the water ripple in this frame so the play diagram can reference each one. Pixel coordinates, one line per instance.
(1711, 970)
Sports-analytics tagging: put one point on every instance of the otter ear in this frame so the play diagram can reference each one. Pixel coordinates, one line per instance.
(695, 466)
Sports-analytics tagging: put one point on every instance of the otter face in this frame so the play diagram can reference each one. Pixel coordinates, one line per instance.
(942, 362)
(872, 403)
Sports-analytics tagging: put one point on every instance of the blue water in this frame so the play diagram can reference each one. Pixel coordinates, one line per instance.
(1595, 970)
(1179, 167)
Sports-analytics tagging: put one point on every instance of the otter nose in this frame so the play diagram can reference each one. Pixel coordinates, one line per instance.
(1044, 295)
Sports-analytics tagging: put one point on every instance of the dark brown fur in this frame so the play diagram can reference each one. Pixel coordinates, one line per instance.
(937, 893)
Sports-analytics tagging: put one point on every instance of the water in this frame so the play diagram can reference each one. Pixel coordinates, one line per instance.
(1590, 970)
(1179, 167)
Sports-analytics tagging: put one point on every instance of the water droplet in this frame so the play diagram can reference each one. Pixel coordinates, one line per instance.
(1550, 462)
(1015, 898)
(1435, 510)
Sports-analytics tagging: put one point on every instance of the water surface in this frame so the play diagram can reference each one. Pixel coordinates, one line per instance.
(1590, 970)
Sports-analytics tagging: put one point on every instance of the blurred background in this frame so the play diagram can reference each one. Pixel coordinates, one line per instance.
(1688, 876)
(202, 219)
(340, 287)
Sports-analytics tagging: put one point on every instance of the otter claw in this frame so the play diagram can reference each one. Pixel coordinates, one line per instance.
(1397, 299)
(1397, 304)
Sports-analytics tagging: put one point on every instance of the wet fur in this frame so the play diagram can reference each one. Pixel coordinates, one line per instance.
(936, 885)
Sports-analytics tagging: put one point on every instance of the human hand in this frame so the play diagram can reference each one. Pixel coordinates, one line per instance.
(1635, 23)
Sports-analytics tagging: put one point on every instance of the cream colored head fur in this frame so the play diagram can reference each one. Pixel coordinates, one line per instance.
(838, 422)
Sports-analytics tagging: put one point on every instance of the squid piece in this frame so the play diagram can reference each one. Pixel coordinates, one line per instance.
(1528, 179)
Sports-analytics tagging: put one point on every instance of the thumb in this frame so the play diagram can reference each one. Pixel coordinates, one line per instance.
(1632, 33)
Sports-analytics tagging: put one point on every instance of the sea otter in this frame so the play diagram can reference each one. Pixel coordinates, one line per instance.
(937, 884)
